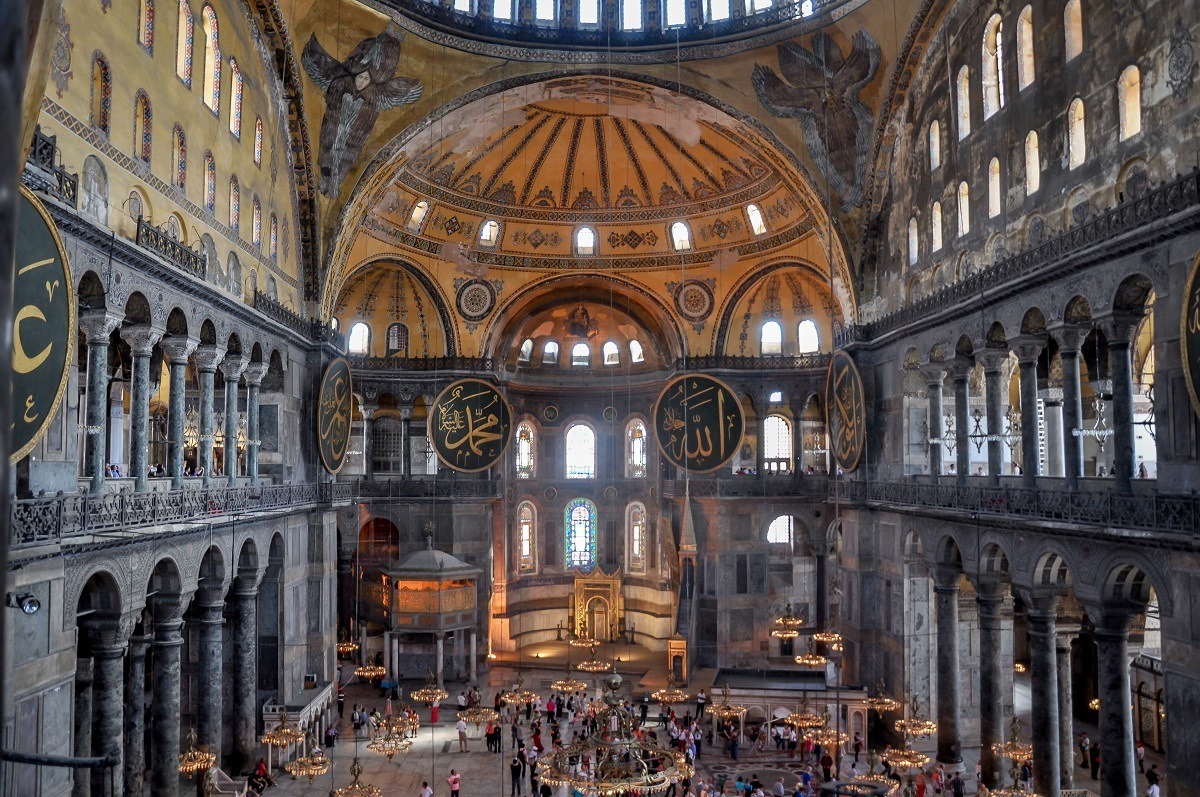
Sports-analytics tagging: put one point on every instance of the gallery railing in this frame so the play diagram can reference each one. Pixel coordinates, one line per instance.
(429, 487)
(778, 485)
(177, 254)
(1148, 510)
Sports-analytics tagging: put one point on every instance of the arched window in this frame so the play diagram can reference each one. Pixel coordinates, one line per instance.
(142, 127)
(235, 203)
(635, 529)
(360, 339)
(585, 241)
(676, 13)
(994, 188)
(807, 339)
(334, 324)
(806, 8)
(178, 158)
(612, 355)
(236, 90)
(212, 60)
(526, 448)
(777, 444)
(93, 190)
(1033, 163)
(1129, 102)
(526, 528)
(1073, 23)
(589, 13)
(756, 6)
(964, 102)
(256, 222)
(550, 353)
(935, 227)
(964, 209)
(544, 11)
(780, 531)
(935, 145)
(502, 10)
(581, 452)
(258, 140)
(417, 217)
(581, 354)
(631, 14)
(636, 355)
(775, 397)
(771, 338)
(101, 110)
(756, 219)
(681, 236)
(1076, 134)
(913, 242)
(525, 354)
(489, 233)
(274, 243)
(145, 32)
(579, 520)
(184, 37)
(993, 66)
(1025, 57)
(465, 6)
(210, 182)
(718, 10)
(397, 340)
(635, 450)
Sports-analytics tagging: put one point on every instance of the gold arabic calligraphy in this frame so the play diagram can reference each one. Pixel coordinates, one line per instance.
(470, 425)
(699, 422)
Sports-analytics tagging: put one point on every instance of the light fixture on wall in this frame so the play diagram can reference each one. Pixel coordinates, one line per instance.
(25, 601)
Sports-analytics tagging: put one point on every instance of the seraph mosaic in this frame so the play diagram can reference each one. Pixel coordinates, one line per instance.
(820, 88)
(356, 90)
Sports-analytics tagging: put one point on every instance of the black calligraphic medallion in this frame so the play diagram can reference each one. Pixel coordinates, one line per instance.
(698, 422)
(1189, 334)
(470, 424)
(335, 405)
(43, 330)
(846, 405)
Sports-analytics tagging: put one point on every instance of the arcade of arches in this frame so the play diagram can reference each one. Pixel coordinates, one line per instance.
(993, 209)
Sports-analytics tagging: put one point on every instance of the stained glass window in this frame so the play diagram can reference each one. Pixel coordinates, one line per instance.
(183, 43)
(101, 93)
(635, 525)
(146, 25)
(579, 520)
(210, 182)
(581, 452)
(256, 222)
(179, 157)
(635, 450)
(212, 60)
(274, 236)
(143, 128)
(526, 526)
(525, 450)
(235, 204)
(258, 140)
(236, 88)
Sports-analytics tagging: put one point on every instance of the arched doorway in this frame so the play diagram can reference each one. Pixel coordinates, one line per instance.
(599, 619)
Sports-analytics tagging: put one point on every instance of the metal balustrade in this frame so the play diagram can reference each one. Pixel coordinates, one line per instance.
(191, 261)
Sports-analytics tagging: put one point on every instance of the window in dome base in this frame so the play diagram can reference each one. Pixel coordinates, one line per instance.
(550, 353)
(360, 339)
(718, 10)
(612, 355)
(581, 354)
(631, 14)
(635, 352)
(544, 10)
(585, 241)
(489, 233)
(756, 219)
(526, 352)
(502, 10)
(417, 217)
(681, 236)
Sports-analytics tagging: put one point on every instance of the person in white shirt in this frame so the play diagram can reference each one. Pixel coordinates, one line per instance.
(425, 790)
(461, 727)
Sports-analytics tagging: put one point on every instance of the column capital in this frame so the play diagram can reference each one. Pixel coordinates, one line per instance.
(991, 590)
(1070, 338)
(405, 413)
(232, 367)
(1051, 395)
(178, 348)
(141, 338)
(107, 638)
(1028, 348)
(946, 578)
(98, 325)
(367, 409)
(210, 611)
(993, 359)
(1040, 603)
(255, 372)
(1110, 619)
(208, 356)
(961, 367)
(934, 373)
(1118, 327)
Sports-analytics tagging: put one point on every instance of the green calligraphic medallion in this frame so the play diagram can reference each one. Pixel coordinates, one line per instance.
(1189, 334)
(43, 326)
(846, 405)
(698, 421)
(470, 424)
(334, 408)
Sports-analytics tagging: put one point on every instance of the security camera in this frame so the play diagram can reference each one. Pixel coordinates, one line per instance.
(25, 601)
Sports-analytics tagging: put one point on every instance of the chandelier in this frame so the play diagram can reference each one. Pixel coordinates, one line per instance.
(826, 736)
(310, 766)
(369, 672)
(1019, 668)
(284, 734)
(403, 724)
(594, 664)
(346, 647)
(805, 719)
(478, 715)
(671, 694)
(519, 694)
(725, 710)
(881, 702)
(429, 692)
(916, 725)
(828, 637)
(621, 762)
(583, 642)
(357, 788)
(906, 758)
(787, 626)
(390, 743)
(812, 658)
(195, 759)
(870, 782)
(1015, 751)
(568, 684)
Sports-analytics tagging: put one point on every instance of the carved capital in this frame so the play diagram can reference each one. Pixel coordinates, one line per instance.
(1070, 338)
(946, 577)
(232, 367)
(1028, 348)
(367, 409)
(934, 374)
(405, 413)
(1051, 395)
(207, 357)
(141, 339)
(255, 372)
(1041, 602)
(178, 348)
(1118, 328)
(961, 367)
(98, 325)
(992, 359)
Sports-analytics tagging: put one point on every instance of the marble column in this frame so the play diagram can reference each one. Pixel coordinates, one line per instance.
(83, 725)
(209, 708)
(760, 431)
(949, 709)
(961, 373)
(135, 717)
(798, 464)
(1052, 402)
(164, 709)
(254, 376)
(231, 369)
(993, 363)
(141, 339)
(441, 651)
(1069, 340)
(108, 707)
(396, 655)
(368, 412)
(822, 579)
(207, 357)
(97, 326)
(990, 597)
(245, 672)
(1066, 708)
(474, 663)
(1028, 348)
(405, 442)
(1118, 777)
(387, 654)
(1042, 611)
(934, 375)
(177, 349)
(1120, 339)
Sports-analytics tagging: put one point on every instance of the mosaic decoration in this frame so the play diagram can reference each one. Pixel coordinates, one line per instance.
(237, 91)
(847, 411)
(60, 57)
(694, 299)
(185, 42)
(143, 125)
(633, 239)
(822, 90)
(146, 29)
(550, 413)
(579, 524)
(536, 238)
(100, 68)
(475, 299)
(698, 422)
(356, 90)
(180, 157)
(334, 408)
(258, 141)
(1181, 62)
(470, 425)
(1189, 335)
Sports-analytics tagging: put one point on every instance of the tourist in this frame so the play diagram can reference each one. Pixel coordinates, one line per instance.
(455, 782)
(858, 746)
(1085, 745)
(1140, 751)
(1094, 760)
(957, 786)
(425, 790)
(461, 727)
(701, 700)
(514, 770)
(826, 767)
(433, 710)
(1153, 791)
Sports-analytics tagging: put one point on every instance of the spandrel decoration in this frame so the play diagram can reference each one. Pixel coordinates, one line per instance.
(333, 415)
(43, 332)
(698, 422)
(1189, 335)
(847, 411)
(470, 424)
